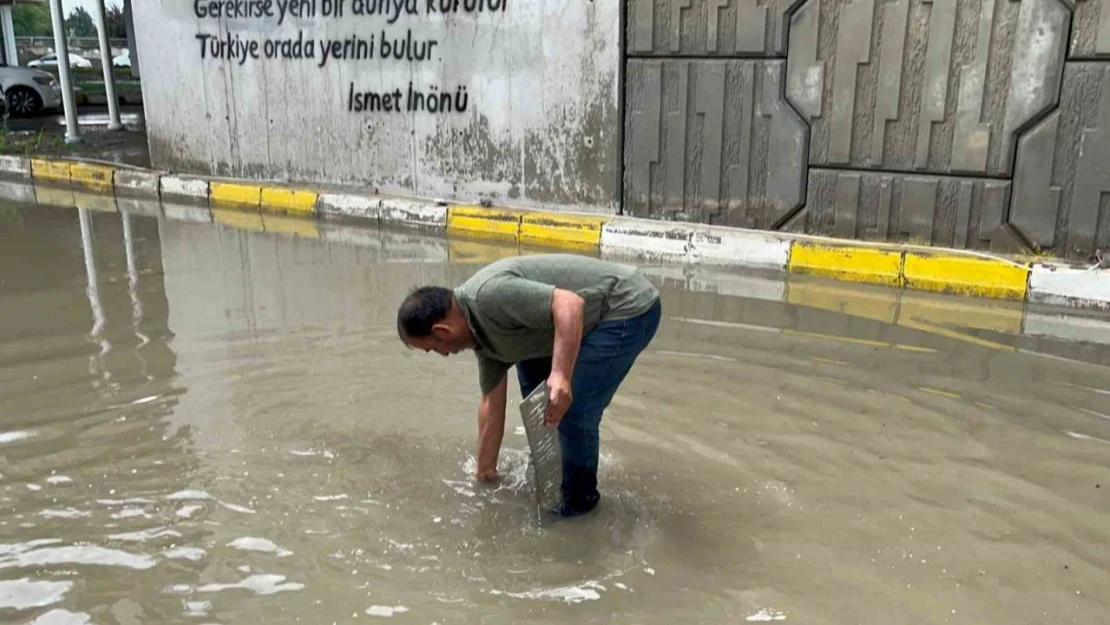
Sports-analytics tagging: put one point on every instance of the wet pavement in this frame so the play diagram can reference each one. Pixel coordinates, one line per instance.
(44, 135)
(91, 115)
(202, 423)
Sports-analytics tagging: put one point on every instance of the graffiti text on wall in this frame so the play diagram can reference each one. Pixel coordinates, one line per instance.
(384, 45)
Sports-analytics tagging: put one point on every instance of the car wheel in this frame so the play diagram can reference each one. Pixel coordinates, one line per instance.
(23, 101)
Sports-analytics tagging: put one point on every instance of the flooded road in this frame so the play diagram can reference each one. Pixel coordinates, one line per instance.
(208, 424)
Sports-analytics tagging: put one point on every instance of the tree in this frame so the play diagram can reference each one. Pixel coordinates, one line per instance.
(117, 24)
(32, 20)
(80, 23)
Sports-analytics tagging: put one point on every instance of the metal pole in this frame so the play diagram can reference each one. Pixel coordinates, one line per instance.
(106, 62)
(61, 49)
(10, 51)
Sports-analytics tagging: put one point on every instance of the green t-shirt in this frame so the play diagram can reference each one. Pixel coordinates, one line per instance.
(508, 305)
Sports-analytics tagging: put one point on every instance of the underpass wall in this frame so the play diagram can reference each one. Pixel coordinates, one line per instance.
(511, 101)
(974, 124)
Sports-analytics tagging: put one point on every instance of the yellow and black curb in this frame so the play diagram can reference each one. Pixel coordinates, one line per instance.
(284, 208)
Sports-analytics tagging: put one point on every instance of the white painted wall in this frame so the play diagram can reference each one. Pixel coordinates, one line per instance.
(541, 127)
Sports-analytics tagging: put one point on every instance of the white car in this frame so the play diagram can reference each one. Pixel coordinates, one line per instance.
(123, 60)
(29, 90)
(51, 60)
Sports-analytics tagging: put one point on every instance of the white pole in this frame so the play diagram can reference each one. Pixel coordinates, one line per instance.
(106, 62)
(10, 50)
(61, 48)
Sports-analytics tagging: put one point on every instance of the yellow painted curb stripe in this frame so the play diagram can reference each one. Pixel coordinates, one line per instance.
(42, 169)
(296, 226)
(239, 219)
(292, 201)
(489, 222)
(855, 264)
(91, 176)
(553, 229)
(235, 193)
(964, 275)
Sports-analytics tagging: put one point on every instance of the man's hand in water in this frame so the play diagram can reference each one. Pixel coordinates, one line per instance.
(559, 398)
(488, 477)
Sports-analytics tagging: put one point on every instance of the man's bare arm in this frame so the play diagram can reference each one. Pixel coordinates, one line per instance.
(491, 429)
(567, 311)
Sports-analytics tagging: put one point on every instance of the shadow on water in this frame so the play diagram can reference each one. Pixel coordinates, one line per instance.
(206, 416)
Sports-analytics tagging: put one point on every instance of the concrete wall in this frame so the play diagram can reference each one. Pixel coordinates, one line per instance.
(538, 81)
(962, 123)
(978, 124)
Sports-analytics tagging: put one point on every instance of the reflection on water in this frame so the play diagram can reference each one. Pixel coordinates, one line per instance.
(201, 423)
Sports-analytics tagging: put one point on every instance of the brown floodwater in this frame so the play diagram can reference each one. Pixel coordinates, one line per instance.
(211, 424)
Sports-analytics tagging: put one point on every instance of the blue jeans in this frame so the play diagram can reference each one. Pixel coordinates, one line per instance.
(604, 359)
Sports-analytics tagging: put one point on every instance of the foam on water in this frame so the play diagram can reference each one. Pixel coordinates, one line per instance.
(21, 594)
(77, 554)
(766, 614)
(310, 452)
(186, 512)
(586, 591)
(62, 617)
(189, 495)
(262, 545)
(236, 508)
(386, 611)
(130, 513)
(58, 479)
(198, 608)
(12, 437)
(64, 513)
(258, 584)
(145, 535)
(194, 554)
(134, 501)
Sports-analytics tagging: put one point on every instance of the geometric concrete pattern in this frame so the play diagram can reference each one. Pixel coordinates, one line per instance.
(979, 124)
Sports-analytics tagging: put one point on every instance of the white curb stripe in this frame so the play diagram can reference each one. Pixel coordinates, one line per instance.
(410, 213)
(15, 167)
(137, 182)
(358, 206)
(176, 186)
(1070, 287)
(694, 244)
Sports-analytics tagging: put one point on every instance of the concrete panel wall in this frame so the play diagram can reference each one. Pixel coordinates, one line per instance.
(525, 91)
(1062, 181)
(712, 141)
(958, 123)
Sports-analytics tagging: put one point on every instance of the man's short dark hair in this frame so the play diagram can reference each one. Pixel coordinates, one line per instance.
(422, 309)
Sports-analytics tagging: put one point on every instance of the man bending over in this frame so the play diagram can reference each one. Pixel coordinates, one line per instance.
(579, 323)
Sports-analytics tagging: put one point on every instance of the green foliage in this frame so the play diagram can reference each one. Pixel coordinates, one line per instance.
(32, 20)
(80, 23)
(117, 24)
